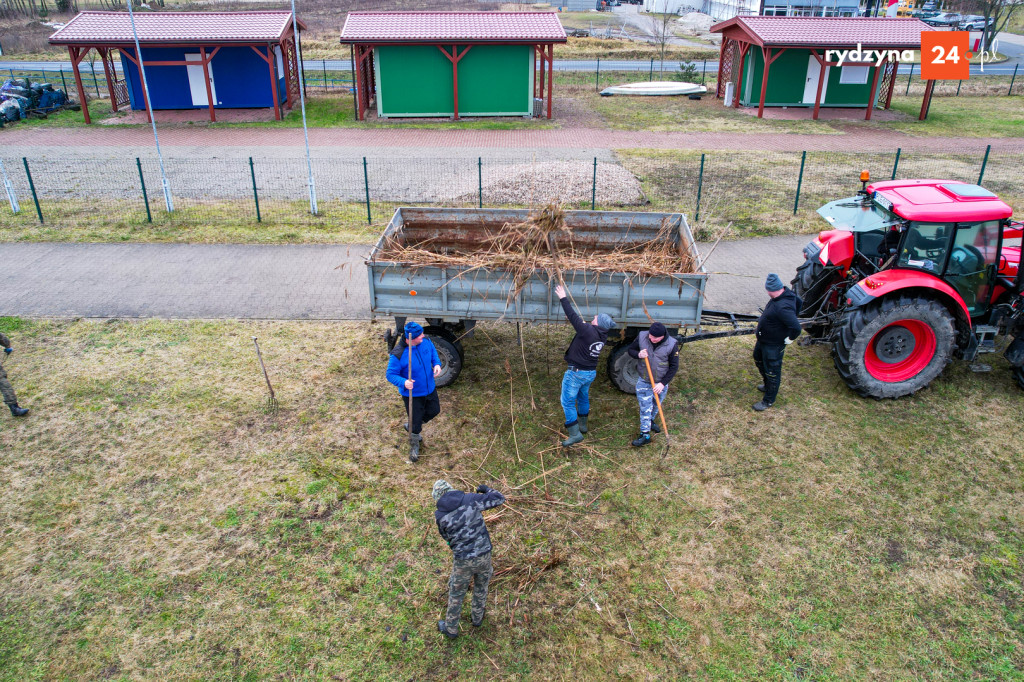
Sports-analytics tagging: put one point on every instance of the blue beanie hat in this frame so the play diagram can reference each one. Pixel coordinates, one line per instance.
(412, 330)
(605, 321)
(773, 283)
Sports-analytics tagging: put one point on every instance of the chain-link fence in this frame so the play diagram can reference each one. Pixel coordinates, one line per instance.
(756, 192)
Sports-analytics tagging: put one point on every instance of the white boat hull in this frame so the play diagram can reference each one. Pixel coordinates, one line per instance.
(656, 88)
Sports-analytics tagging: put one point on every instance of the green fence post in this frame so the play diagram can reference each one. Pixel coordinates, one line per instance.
(910, 78)
(62, 81)
(650, 76)
(896, 163)
(593, 188)
(1014, 79)
(704, 72)
(323, 63)
(700, 186)
(32, 186)
(984, 162)
(799, 182)
(145, 197)
(958, 88)
(366, 184)
(255, 194)
(480, 179)
(597, 78)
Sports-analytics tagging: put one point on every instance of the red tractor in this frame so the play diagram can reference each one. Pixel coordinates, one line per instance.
(912, 273)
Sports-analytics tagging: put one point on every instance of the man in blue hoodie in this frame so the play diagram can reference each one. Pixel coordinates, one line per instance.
(416, 350)
(461, 524)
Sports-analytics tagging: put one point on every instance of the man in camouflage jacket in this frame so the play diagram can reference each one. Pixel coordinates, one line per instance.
(461, 524)
(6, 390)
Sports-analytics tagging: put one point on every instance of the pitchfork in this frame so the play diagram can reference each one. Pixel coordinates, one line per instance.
(272, 400)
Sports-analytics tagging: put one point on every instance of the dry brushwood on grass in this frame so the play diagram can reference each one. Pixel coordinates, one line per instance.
(545, 244)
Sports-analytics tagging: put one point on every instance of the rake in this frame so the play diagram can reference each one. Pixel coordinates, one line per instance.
(657, 401)
(272, 399)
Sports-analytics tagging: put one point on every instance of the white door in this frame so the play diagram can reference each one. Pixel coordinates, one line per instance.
(195, 80)
(811, 83)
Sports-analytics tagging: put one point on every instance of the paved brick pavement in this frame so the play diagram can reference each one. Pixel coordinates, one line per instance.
(275, 282)
(21, 140)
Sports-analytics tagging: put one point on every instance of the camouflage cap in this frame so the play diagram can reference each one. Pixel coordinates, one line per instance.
(441, 486)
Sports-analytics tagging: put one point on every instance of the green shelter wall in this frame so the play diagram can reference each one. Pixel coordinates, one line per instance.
(416, 80)
(413, 80)
(786, 79)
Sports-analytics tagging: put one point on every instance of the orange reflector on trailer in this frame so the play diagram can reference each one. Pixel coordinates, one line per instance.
(661, 303)
(412, 293)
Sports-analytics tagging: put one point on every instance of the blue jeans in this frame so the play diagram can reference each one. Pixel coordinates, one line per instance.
(576, 393)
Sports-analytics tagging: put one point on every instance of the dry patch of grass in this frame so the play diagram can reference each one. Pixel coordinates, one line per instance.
(159, 523)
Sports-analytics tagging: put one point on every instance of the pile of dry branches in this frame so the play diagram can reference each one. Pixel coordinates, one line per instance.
(545, 244)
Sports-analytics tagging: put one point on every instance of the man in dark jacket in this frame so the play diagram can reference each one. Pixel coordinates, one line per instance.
(416, 350)
(777, 328)
(656, 347)
(582, 356)
(461, 524)
(6, 390)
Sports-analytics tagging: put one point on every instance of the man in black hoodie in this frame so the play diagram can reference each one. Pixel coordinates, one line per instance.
(461, 524)
(777, 328)
(582, 356)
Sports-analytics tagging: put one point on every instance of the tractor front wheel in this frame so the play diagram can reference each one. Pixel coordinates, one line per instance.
(814, 285)
(894, 347)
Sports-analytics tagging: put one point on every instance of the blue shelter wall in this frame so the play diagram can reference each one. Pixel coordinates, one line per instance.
(241, 78)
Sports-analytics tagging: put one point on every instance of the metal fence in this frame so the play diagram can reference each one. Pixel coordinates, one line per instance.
(756, 192)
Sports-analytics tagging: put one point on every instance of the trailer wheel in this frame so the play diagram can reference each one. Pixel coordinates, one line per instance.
(622, 368)
(894, 347)
(451, 359)
(1018, 374)
(443, 333)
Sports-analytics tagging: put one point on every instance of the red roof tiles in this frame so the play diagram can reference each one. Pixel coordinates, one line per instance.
(174, 27)
(503, 27)
(903, 32)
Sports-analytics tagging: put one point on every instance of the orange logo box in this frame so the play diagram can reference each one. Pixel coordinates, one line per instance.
(945, 55)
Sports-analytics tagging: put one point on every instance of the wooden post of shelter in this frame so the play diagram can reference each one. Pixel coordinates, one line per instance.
(77, 54)
(206, 78)
(874, 88)
(927, 101)
(766, 53)
(109, 75)
(744, 48)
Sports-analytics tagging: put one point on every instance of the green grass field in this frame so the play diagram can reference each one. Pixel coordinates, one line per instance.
(160, 523)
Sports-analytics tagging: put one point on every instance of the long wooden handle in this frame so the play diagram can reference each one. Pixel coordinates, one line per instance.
(657, 401)
(263, 367)
(410, 379)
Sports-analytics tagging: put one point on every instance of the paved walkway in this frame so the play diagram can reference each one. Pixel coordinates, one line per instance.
(19, 141)
(276, 282)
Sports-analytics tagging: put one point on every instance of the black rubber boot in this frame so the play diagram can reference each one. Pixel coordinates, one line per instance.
(415, 440)
(655, 427)
(583, 422)
(443, 629)
(644, 439)
(18, 411)
(574, 435)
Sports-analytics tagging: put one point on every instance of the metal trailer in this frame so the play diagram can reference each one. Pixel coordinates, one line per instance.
(452, 300)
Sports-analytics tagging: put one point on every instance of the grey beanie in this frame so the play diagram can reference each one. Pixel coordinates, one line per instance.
(604, 321)
(441, 486)
(773, 283)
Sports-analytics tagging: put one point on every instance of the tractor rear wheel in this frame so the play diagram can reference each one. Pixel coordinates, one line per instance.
(449, 351)
(894, 347)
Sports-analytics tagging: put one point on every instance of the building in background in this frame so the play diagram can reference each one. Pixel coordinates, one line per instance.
(720, 10)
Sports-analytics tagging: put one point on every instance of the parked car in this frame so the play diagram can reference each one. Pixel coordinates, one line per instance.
(930, 6)
(975, 22)
(944, 19)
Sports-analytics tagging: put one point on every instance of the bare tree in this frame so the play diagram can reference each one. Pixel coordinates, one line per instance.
(997, 15)
(659, 26)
